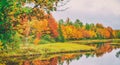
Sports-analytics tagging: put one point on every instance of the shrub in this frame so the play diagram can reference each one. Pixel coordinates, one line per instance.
(48, 38)
(42, 41)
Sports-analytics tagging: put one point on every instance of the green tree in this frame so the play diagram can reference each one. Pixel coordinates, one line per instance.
(87, 26)
(78, 23)
(118, 34)
(6, 32)
(60, 37)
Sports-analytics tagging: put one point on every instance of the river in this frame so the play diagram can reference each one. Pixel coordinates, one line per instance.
(105, 54)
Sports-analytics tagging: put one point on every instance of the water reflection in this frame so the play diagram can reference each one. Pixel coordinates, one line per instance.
(103, 55)
(118, 54)
(104, 48)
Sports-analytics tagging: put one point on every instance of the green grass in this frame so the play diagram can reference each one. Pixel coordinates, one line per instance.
(96, 40)
(46, 48)
(59, 47)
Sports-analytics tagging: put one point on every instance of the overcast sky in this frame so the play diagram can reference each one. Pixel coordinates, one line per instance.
(106, 12)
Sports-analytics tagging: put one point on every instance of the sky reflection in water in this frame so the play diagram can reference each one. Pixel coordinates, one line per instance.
(106, 59)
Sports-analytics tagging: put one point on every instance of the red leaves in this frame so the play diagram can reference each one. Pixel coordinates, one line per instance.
(52, 25)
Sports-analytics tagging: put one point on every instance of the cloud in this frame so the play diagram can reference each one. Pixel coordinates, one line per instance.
(106, 12)
(96, 6)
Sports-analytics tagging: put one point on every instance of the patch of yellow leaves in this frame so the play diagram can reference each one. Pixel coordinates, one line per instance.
(1, 45)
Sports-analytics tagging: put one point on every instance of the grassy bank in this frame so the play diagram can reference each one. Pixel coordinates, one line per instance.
(54, 48)
(51, 48)
(96, 40)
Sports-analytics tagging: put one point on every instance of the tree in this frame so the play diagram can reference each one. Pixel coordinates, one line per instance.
(78, 23)
(98, 25)
(6, 31)
(87, 26)
(39, 27)
(112, 35)
(11, 12)
(103, 33)
(68, 22)
(118, 34)
(60, 37)
(52, 24)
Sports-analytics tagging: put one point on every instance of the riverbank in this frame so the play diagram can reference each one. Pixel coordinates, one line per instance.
(54, 48)
(96, 40)
(51, 48)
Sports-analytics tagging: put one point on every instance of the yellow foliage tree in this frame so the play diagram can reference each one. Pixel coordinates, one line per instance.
(39, 27)
(71, 32)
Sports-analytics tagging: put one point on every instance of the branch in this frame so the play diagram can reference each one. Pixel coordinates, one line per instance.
(63, 9)
(63, 4)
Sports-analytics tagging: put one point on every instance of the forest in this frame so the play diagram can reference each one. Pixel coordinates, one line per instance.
(24, 24)
(30, 34)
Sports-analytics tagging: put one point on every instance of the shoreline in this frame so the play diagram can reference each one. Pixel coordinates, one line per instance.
(55, 48)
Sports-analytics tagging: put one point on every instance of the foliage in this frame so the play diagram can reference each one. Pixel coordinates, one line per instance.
(17, 40)
(87, 26)
(42, 41)
(48, 38)
(77, 30)
(15, 14)
(19, 22)
(44, 27)
(78, 23)
(104, 33)
(1, 45)
(39, 26)
(60, 37)
(118, 34)
(6, 31)
(53, 26)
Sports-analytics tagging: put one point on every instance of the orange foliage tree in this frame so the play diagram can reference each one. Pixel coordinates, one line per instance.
(103, 32)
(53, 26)
(44, 26)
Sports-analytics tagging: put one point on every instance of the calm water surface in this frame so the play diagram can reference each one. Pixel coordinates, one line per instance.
(106, 59)
(105, 54)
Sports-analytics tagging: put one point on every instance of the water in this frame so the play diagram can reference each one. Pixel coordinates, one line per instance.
(106, 59)
(105, 54)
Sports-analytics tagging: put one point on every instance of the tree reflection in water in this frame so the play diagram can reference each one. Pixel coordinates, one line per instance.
(101, 49)
(104, 48)
(118, 54)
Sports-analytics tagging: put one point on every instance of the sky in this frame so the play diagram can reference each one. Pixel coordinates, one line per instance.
(106, 12)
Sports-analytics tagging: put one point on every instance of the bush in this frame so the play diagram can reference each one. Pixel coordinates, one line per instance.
(16, 41)
(42, 41)
(47, 38)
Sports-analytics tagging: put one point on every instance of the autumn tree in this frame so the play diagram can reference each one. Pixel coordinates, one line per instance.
(38, 29)
(98, 25)
(112, 32)
(12, 10)
(104, 33)
(52, 25)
